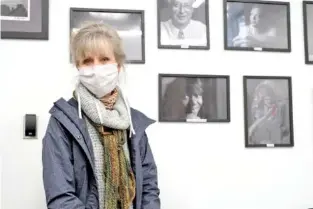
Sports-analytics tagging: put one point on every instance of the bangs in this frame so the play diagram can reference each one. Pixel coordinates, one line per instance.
(95, 45)
(195, 87)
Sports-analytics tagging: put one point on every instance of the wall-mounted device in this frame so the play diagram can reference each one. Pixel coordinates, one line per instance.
(30, 126)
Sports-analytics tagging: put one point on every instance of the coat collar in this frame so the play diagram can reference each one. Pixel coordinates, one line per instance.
(66, 112)
(70, 109)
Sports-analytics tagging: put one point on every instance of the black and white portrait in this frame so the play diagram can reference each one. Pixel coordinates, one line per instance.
(183, 24)
(308, 30)
(193, 98)
(268, 111)
(128, 23)
(261, 26)
(15, 10)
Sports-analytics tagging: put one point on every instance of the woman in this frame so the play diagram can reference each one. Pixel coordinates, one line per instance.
(269, 125)
(183, 99)
(194, 109)
(96, 154)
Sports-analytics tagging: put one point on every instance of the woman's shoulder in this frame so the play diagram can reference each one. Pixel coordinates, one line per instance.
(63, 112)
(140, 120)
(137, 113)
(68, 110)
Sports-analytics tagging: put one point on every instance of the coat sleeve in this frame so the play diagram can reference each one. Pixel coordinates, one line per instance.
(58, 174)
(151, 191)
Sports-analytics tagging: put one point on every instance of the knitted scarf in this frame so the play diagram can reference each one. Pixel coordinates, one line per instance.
(110, 118)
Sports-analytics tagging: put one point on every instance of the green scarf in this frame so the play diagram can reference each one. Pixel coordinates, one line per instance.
(111, 124)
(119, 178)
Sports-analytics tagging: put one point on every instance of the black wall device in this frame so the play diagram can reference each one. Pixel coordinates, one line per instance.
(30, 126)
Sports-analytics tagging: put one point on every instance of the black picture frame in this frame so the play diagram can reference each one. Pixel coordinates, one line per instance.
(185, 46)
(290, 112)
(142, 25)
(42, 35)
(174, 94)
(305, 30)
(257, 49)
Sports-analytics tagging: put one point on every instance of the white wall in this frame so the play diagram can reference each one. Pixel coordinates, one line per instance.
(200, 166)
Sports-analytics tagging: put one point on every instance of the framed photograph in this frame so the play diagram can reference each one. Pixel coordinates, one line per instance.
(128, 23)
(257, 26)
(268, 111)
(194, 98)
(183, 24)
(24, 19)
(308, 31)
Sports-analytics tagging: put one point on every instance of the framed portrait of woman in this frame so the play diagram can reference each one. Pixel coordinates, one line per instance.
(194, 98)
(268, 111)
(257, 25)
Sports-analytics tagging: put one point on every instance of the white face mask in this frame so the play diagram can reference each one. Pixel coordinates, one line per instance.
(99, 79)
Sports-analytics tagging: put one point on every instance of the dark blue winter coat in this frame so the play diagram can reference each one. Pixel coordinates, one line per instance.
(68, 164)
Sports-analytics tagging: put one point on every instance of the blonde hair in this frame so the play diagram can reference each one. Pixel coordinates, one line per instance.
(96, 38)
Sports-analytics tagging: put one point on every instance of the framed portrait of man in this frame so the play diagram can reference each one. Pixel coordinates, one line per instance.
(268, 111)
(257, 25)
(194, 98)
(24, 19)
(308, 31)
(183, 24)
(128, 23)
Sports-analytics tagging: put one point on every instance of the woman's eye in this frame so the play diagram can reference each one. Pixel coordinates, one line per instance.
(105, 59)
(87, 61)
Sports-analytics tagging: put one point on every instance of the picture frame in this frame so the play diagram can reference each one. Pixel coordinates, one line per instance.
(130, 25)
(244, 29)
(194, 36)
(268, 111)
(308, 44)
(194, 98)
(25, 19)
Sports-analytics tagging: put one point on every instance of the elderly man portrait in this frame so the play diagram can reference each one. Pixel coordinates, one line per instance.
(180, 24)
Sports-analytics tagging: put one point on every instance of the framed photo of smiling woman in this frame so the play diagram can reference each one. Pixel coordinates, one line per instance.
(183, 24)
(194, 98)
